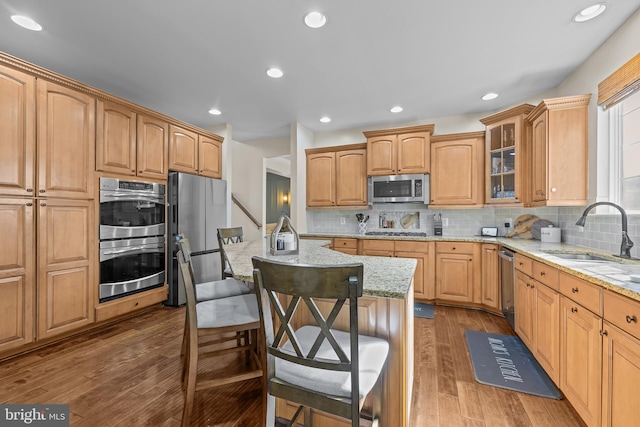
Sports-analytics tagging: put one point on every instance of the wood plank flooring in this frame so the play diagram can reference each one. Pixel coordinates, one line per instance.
(127, 374)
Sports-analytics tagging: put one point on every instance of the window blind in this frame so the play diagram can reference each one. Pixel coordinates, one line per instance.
(620, 84)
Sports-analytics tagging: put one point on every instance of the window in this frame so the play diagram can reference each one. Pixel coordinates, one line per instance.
(619, 137)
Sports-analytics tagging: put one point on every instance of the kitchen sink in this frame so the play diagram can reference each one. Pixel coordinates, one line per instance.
(580, 257)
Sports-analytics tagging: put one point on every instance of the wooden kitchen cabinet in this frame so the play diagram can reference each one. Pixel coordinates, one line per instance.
(151, 150)
(490, 296)
(524, 303)
(621, 377)
(457, 278)
(560, 146)
(399, 151)
(17, 283)
(346, 246)
(457, 169)
(424, 276)
(193, 153)
(17, 133)
(581, 360)
(506, 165)
(336, 176)
(66, 260)
(116, 138)
(66, 142)
(375, 247)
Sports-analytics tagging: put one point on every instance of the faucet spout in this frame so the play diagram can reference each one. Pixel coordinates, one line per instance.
(626, 244)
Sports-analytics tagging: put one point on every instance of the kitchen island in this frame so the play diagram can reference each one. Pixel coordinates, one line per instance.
(385, 310)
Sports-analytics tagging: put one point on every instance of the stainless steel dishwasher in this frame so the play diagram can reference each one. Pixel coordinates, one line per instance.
(507, 286)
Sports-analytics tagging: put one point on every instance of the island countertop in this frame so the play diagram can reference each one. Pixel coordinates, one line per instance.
(382, 276)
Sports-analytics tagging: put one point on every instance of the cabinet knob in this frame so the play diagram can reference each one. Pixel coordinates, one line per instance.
(139, 171)
(453, 249)
(542, 273)
(632, 319)
(521, 263)
(43, 204)
(29, 204)
(574, 310)
(604, 333)
(574, 290)
(553, 189)
(42, 191)
(29, 190)
(133, 171)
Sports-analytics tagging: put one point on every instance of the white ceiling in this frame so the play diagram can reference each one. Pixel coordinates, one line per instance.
(434, 58)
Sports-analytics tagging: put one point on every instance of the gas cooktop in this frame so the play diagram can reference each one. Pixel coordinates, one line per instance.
(396, 233)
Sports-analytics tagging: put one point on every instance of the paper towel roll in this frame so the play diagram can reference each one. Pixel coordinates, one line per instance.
(550, 234)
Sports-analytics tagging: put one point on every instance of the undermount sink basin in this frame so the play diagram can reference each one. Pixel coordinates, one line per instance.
(579, 257)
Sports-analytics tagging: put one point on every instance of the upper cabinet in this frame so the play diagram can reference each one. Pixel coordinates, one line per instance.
(116, 138)
(507, 135)
(17, 132)
(399, 151)
(152, 158)
(194, 153)
(560, 146)
(66, 141)
(457, 169)
(337, 176)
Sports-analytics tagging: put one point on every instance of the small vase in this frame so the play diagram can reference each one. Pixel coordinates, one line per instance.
(362, 227)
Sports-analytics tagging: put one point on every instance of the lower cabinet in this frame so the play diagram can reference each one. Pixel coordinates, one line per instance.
(66, 253)
(456, 274)
(490, 297)
(581, 359)
(346, 246)
(524, 303)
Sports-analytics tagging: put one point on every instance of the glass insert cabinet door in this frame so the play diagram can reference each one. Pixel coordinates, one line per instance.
(502, 162)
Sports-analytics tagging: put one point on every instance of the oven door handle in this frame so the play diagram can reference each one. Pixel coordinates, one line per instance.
(106, 254)
(127, 197)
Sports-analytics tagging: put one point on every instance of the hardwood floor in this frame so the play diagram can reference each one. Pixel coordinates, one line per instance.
(127, 374)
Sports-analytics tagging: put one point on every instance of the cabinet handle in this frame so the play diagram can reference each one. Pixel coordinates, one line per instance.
(542, 273)
(604, 333)
(454, 248)
(574, 290)
(533, 286)
(43, 204)
(42, 191)
(631, 319)
(133, 171)
(137, 303)
(29, 204)
(521, 263)
(139, 171)
(29, 190)
(574, 310)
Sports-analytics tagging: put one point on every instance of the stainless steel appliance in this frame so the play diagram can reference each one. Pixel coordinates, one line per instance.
(508, 285)
(132, 237)
(197, 208)
(399, 189)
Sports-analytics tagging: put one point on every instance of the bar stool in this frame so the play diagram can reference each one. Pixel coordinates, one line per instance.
(316, 366)
(209, 324)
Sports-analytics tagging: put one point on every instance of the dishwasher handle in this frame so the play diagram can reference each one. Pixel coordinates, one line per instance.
(507, 256)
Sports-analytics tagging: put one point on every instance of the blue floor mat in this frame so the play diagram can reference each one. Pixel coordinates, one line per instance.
(504, 361)
(421, 309)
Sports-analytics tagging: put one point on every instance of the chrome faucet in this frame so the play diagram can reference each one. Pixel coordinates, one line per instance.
(627, 244)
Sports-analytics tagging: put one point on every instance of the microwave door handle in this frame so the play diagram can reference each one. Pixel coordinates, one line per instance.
(126, 197)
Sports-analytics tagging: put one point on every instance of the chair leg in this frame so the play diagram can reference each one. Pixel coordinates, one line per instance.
(190, 387)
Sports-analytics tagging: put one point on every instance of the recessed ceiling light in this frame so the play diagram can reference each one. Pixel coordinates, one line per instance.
(325, 119)
(26, 22)
(315, 19)
(396, 109)
(589, 12)
(489, 96)
(215, 112)
(275, 73)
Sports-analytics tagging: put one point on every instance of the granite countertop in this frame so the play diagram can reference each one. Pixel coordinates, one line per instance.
(382, 277)
(613, 274)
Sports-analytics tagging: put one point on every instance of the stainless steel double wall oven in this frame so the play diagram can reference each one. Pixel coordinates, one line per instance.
(132, 237)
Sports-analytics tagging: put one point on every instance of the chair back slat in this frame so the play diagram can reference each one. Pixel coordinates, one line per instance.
(228, 236)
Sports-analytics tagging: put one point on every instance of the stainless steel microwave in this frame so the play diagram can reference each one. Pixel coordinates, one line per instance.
(399, 189)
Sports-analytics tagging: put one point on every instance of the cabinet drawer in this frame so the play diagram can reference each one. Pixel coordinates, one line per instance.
(586, 294)
(404, 246)
(345, 243)
(455, 247)
(524, 264)
(545, 274)
(622, 312)
(377, 245)
(129, 304)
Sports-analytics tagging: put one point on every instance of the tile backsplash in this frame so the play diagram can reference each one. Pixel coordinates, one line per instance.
(601, 231)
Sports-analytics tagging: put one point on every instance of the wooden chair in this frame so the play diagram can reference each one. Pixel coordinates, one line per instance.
(211, 327)
(316, 366)
(227, 287)
(227, 236)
